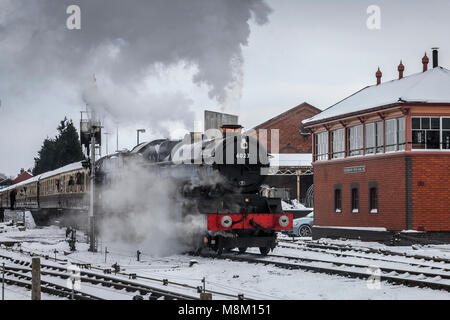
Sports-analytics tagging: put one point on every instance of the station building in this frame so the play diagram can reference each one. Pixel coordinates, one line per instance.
(293, 157)
(381, 156)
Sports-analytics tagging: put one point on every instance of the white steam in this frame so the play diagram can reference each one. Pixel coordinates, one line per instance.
(144, 212)
(125, 44)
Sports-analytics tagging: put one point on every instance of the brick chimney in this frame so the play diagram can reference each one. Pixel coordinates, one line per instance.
(425, 61)
(379, 74)
(400, 68)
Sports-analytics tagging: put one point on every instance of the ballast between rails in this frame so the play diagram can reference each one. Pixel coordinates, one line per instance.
(118, 282)
(336, 247)
(103, 280)
(367, 257)
(46, 286)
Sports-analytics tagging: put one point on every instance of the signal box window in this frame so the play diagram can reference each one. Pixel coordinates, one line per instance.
(338, 200)
(373, 200)
(426, 133)
(355, 200)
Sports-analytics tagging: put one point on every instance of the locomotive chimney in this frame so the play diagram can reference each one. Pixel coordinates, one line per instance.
(435, 57)
(231, 128)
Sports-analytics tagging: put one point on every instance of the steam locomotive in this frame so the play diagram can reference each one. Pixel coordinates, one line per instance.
(219, 173)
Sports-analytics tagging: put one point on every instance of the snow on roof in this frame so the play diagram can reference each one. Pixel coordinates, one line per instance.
(432, 86)
(68, 168)
(291, 160)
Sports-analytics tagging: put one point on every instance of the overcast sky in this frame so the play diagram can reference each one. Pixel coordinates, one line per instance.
(159, 63)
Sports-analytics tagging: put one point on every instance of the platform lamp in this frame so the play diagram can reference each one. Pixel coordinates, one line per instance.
(139, 131)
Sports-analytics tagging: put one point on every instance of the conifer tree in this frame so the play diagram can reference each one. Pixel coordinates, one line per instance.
(64, 149)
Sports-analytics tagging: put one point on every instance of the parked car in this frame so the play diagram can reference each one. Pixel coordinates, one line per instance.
(302, 226)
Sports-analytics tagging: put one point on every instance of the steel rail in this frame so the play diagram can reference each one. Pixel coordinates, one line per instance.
(341, 254)
(332, 271)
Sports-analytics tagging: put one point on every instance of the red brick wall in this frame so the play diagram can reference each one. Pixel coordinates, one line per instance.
(387, 170)
(291, 141)
(431, 192)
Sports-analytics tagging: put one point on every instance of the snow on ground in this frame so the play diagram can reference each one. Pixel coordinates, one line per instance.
(225, 276)
(433, 251)
(294, 205)
(18, 293)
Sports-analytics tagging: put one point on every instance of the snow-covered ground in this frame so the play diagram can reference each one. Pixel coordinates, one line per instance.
(224, 276)
(294, 205)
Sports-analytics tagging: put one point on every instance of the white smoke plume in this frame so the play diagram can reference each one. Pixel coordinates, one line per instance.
(124, 43)
(144, 211)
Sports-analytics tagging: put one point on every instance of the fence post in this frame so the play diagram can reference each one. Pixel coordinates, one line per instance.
(36, 279)
(203, 294)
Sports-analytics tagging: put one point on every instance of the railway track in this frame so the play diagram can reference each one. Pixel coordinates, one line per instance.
(21, 268)
(338, 247)
(16, 277)
(115, 282)
(344, 253)
(437, 281)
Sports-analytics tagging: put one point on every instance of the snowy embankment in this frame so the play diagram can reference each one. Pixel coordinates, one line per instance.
(294, 206)
(224, 276)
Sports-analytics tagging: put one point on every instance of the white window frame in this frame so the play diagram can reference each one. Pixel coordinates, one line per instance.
(441, 149)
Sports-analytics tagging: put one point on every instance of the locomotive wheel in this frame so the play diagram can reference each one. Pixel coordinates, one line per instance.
(242, 249)
(264, 250)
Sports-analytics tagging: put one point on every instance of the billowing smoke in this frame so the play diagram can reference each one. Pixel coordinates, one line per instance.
(127, 46)
(125, 43)
(145, 208)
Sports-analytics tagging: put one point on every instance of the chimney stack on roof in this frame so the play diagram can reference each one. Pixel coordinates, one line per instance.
(425, 61)
(400, 68)
(379, 74)
(435, 57)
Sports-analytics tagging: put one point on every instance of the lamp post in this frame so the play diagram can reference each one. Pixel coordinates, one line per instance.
(139, 131)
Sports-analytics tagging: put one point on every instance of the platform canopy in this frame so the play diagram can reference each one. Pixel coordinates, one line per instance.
(291, 160)
(432, 86)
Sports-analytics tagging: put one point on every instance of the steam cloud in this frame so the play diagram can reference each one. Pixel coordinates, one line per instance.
(144, 211)
(124, 43)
